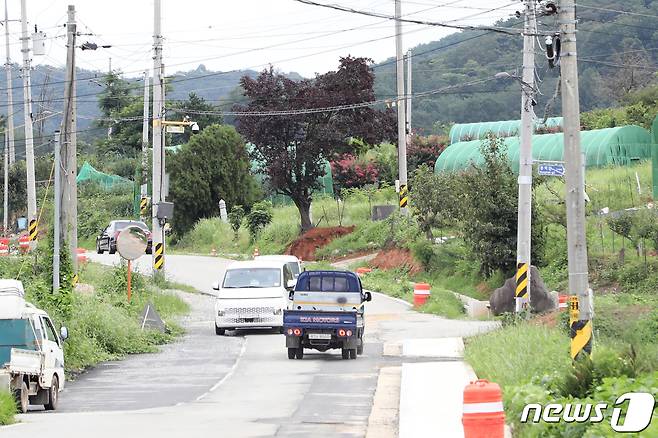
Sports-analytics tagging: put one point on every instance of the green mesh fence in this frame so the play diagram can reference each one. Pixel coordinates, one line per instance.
(109, 182)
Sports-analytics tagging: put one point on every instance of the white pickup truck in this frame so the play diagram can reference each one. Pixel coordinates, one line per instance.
(31, 353)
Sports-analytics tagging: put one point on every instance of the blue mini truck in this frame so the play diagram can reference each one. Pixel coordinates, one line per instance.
(326, 312)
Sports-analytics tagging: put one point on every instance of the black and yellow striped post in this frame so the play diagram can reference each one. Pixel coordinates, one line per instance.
(522, 281)
(404, 196)
(579, 330)
(75, 280)
(143, 206)
(33, 230)
(158, 261)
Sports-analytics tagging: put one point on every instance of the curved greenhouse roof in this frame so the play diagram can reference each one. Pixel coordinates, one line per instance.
(602, 147)
(505, 128)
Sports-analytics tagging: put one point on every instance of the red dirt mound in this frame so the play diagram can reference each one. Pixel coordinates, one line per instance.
(304, 247)
(394, 259)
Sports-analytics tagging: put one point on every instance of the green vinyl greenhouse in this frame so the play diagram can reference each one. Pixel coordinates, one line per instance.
(504, 128)
(602, 147)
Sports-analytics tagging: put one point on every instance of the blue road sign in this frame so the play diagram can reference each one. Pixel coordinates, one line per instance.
(551, 169)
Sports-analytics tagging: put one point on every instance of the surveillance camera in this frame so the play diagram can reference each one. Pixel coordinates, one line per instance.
(550, 7)
(195, 127)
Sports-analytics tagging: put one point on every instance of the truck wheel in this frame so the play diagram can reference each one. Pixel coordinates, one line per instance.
(22, 398)
(352, 353)
(359, 349)
(98, 248)
(219, 331)
(292, 353)
(345, 353)
(300, 353)
(53, 395)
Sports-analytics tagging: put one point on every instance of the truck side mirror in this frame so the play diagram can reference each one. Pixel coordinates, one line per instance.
(291, 295)
(215, 285)
(367, 296)
(64, 333)
(291, 284)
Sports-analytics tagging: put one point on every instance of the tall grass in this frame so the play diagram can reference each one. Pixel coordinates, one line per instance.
(212, 233)
(7, 408)
(516, 354)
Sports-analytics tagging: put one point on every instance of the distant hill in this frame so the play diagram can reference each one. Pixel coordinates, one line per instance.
(216, 87)
(616, 51)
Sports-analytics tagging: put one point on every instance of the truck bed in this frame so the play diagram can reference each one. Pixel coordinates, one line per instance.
(317, 319)
(24, 362)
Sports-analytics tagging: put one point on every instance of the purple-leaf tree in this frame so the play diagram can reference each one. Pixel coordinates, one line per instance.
(291, 149)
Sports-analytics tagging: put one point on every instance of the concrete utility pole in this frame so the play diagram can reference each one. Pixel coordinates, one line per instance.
(145, 149)
(58, 213)
(523, 242)
(29, 135)
(400, 104)
(69, 193)
(581, 329)
(158, 149)
(408, 57)
(5, 211)
(10, 97)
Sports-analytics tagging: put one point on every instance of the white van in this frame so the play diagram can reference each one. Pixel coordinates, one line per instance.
(253, 294)
(31, 351)
(293, 262)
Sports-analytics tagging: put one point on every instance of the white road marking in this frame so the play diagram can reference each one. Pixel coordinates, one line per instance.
(228, 375)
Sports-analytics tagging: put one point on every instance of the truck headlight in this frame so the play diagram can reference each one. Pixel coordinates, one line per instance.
(220, 312)
(278, 311)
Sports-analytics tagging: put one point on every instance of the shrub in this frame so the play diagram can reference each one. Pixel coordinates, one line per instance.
(350, 172)
(7, 408)
(235, 219)
(259, 218)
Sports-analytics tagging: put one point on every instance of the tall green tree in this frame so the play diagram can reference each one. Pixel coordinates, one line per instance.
(194, 107)
(488, 198)
(116, 94)
(214, 165)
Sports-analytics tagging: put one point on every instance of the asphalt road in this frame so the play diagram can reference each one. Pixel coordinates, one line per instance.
(241, 385)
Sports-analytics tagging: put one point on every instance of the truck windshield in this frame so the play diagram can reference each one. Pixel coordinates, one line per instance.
(252, 278)
(15, 333)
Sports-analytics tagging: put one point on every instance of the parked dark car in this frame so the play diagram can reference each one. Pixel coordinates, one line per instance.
(107, 240)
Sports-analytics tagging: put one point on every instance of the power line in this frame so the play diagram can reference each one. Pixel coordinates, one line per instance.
(508, 31)
(637, 14)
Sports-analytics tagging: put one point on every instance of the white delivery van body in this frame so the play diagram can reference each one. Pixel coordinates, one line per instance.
(252, 294)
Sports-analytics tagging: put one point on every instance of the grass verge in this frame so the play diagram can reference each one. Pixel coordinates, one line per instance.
(397, 284)
(7, 408)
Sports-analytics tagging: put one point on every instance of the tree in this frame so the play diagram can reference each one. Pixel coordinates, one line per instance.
(212, 166)
(425, 150)
(435, 198)
(488, 212)
(115, 96)
(259, 217)
(291, 149)
(235, 217)
(191, 108)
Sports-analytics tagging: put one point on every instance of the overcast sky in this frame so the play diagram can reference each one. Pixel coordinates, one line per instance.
(239, 34)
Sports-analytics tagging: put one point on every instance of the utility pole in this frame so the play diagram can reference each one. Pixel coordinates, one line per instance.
(402, 131)
(158, 149)
(581, 328)
(69, 193)
(58, 213)
(10, 97)
(29, 135)
(5, 219)
(408, 57)
(523, 239)
(145, 150)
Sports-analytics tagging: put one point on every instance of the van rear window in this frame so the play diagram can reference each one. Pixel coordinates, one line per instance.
(328, 282)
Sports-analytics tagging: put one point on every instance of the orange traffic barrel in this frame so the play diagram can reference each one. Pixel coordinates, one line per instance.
(483, 416)
(24, 243)
(361, 271)
(421, 293)
(4, 246)
(563, 302)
